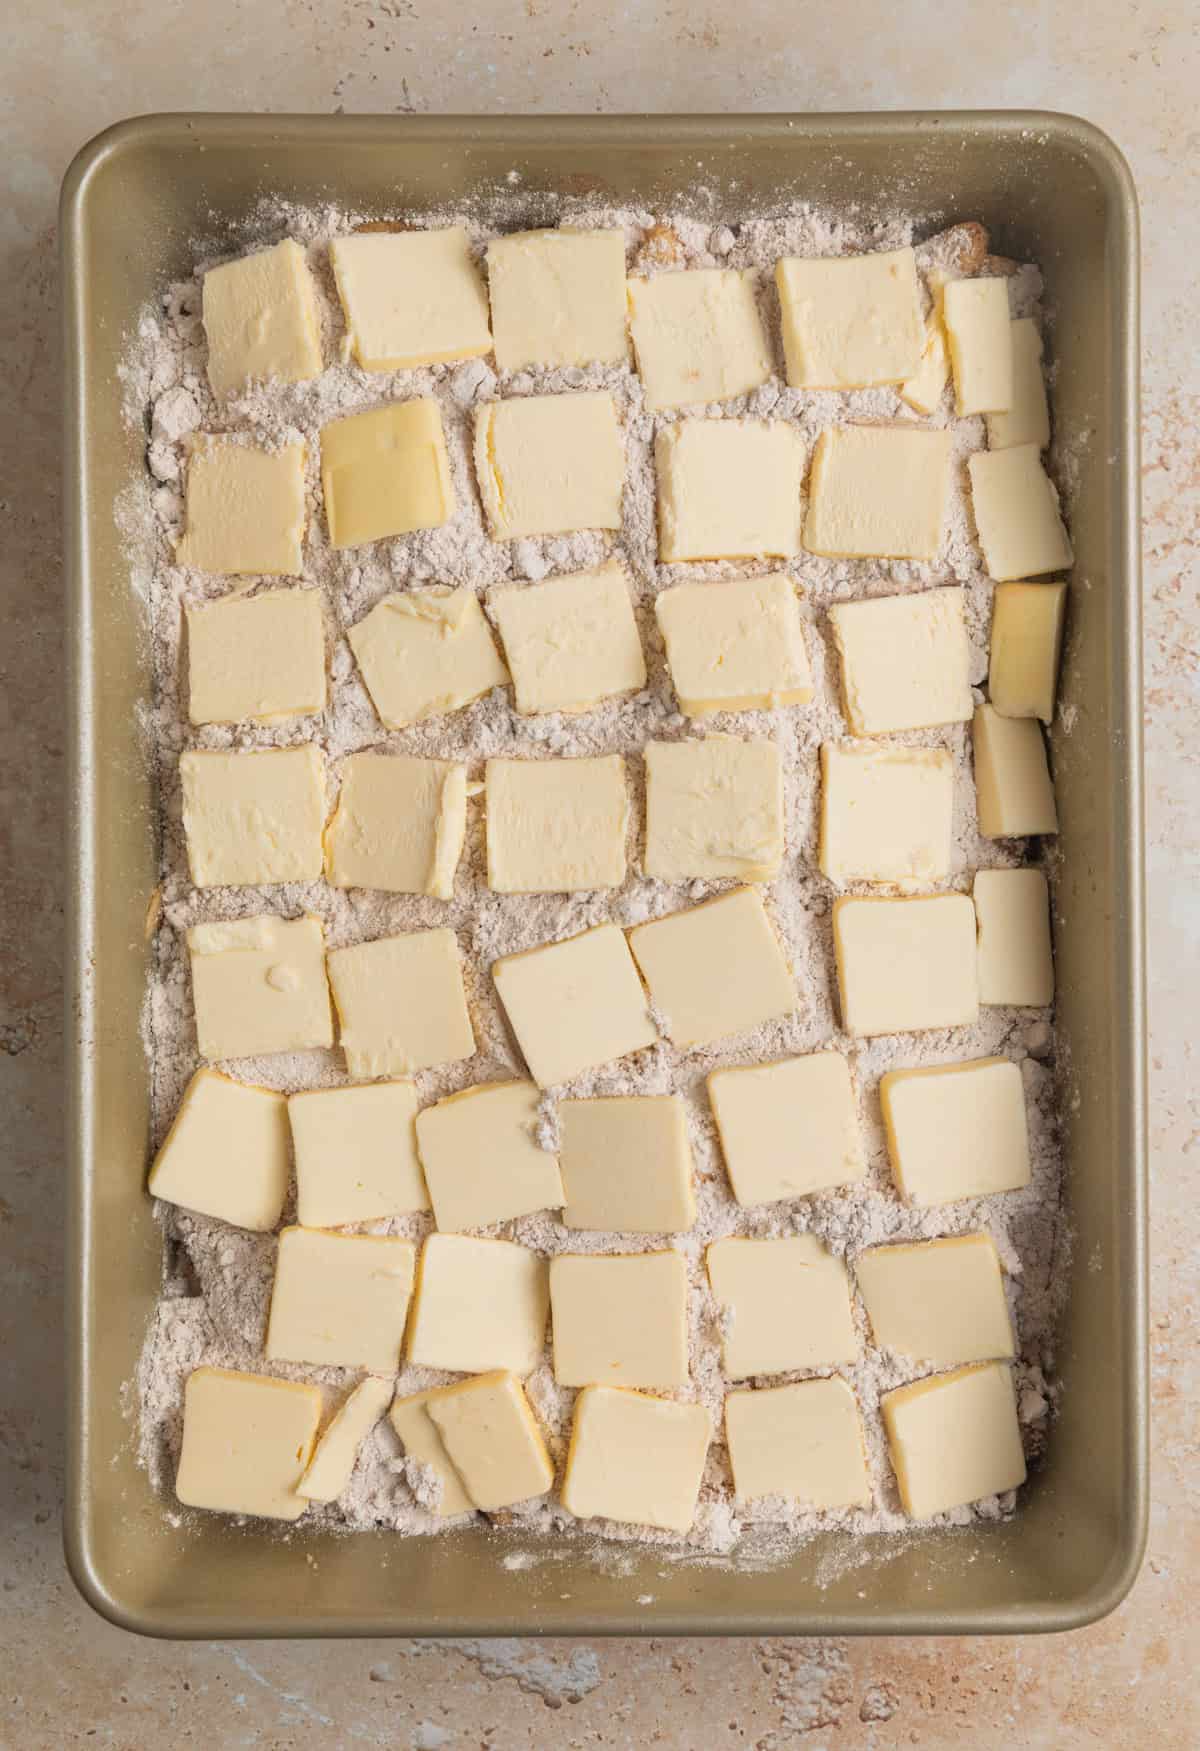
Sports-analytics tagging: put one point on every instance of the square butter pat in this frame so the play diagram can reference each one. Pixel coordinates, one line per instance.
(954, 1438)
(619, 1319)
(788, 1128)
(904, 660)
(411, 298)
(626, 1164)
(548, 464)
(1017, 514)
(979, 329)
(259, 986)
(698, 336)
(1014, 795)
(558, 298)
(246, 1443)
(340, 1300)
(385, 472)
(735, 646)
(571, 641)
(1027, 630)
(887, 813)
(261, 319)
(728, 489)
(1027, 420)
(715, 969)
(556, 826)
(332, 1465)
(713, 808)
(956, 1130)
(399, 825)
(492, 1439)
(786, 1305)
(256, 818)
(1016, 965)
(878, 492)
(937, 1301)
(401, 1004)
(851, 321)
(226, 1154)
(906, 964)
(442, 1491)
(356, 1154)
(635, 1458)
(480, 1304)
(481, 1156)
(425, 653)
(245, 510)
(256, 657)
(802, 1442)
(574, 1004)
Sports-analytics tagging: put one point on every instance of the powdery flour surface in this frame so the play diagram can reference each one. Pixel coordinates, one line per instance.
(217, 1279)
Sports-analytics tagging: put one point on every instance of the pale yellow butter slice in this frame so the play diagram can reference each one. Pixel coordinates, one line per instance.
(261, 319)
(956, 1130)
(492, 1439)
(626, 1164)
(549, 464)
(728, 489)
(340, 1300)
(556, 826)
(714, 969)
(878, 492)
(635, 1458)
(785, 1305)
(697, 335)
(385, 472)
(481, 1156)
(803, 1442)
(401, 1004)
(226, 1154)
(1027, 421)
(1016, 965)
(256, 818)
(979, 329)
(246, 1443)
(574, 1004)
(1027, 630)
(571, 641)
(259, 986)
(558, 298)
(257, 657)
(735, 646)
(852, 321)
(923, 391)
(399, 825)
(411, 298)
(905, 661)
(937, 1301)
(332, 1465)
(887, 813)
(954, 1438)
(905, 964)
(356, 1154)
(425, 653)
(1017, 514)
(619, 1319)
(481, 1304)
(245, 509)
(787, 1128)
(714, 808)
(1013, 792)
(423, 1444)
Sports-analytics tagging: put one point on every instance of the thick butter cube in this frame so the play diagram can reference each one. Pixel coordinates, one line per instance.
(954, 1438)
(356, 1154)
(556, 826)
(340, 1300)
(548, 464)
(425, 653)
(571, 641)
(713, 808)
(422, 1443)
(411, 298)
(786, 1305)
(788, 1128)
(728, 489)
(492, 1439)
(481, 1304)
(956, 1130)
(627, 1164)
(735, 646)
(256, 657)
(558, 298)
(385, 472)
(399, 825)
(332, 1465)
(851, 321)
(619, 1319)
(905, 964)
(887, 813)
(1017, 514)
(878, 492)
(1027, 421)
(1013, 792)
(254, 819)
(574, 1004)
(1016, 965)
(905, 661)
(481, 1157)
(802, 1442)
(937, 1301)
(261, 320)
(1027, 630)
(979, 330)
(698, 336)
(635, 1458)
(245, 509)
(246, 1443)
(401, 1004)
(714, 969)
(259, 986)
(226, 1154)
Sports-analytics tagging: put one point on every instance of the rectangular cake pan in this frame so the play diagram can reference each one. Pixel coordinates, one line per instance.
(1050, 188)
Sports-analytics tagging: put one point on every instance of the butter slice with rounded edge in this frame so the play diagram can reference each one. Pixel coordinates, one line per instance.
(878, 492)
(619, 1319)
(550, 464)
(399, 825)
(1027, 630)
(1028, 419)
(785, 1302)
(1017, 514)
(558, 298)
(626, 1164)
(356, 1154)
(401, 1004)
(905, 661)
(887, 813)
(574, 1004)
(735, 646)
(713, 808)
(728, 489)
(635, 1458)
(979, 329)
(803, 1442)
(571, 641)
(905, 964)
(253, 818)
(259, 986)
(698, 336)
(956, 1130)
(787, 1128)
(1013, 792)
(245, 510)
(954, 1438)
(340, 1300)
(424, 653)
(492, 1439)
(411, 298)
(481, 1156)
(851, 321)
(556, 826)
(226, 1154)
(261, 319)
(481, 1304)
(937, 1301)
(246, 1443)
(1016, 965)
(714, 969)
(385, 472)
(256, 658)
(332, 1464)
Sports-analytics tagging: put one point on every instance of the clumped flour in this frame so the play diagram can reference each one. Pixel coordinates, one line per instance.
(217, 1279)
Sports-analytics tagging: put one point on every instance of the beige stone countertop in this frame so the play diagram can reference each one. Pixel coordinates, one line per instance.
(68, 70)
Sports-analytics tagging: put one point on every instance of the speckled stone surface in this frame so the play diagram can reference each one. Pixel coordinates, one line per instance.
(69, 70)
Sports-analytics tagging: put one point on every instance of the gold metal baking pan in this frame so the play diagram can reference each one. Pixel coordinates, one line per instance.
(1051, 188)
